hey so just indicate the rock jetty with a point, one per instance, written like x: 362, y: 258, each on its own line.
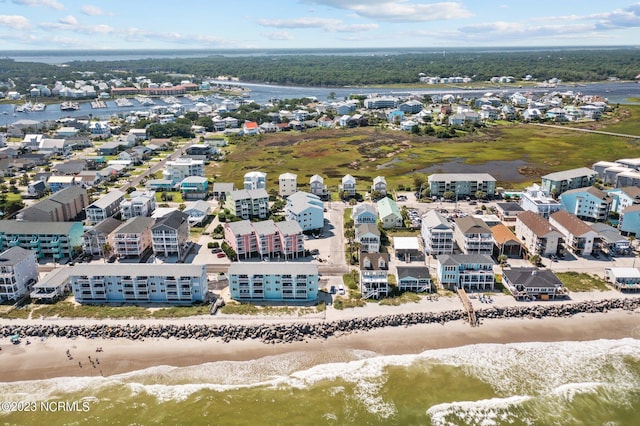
x: 286, y: 333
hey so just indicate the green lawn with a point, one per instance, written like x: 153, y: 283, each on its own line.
x: 372, y: 151
x: 581, y: 282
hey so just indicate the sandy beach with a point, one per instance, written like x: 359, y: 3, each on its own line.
x: 47, y: 358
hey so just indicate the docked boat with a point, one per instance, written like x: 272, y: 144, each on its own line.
x: 39, y: 106
x: 26, y: 107
x: 69, y: 106
x: 123, y: 102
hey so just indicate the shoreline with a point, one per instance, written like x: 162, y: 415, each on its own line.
x: 47, y: 358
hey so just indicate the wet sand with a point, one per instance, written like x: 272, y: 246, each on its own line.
x: 48, y: 358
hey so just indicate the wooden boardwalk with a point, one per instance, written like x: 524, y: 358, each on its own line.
x: 467, y: 306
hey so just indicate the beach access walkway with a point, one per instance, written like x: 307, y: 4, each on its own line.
x: 468, y: 307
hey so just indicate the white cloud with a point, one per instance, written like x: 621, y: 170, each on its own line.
x: 14, y: 21
x: 278, y: 35
x: 68, y: 20
x: 326, y: 24
x: 53, y: 4
x: 92, y: 10
x: 400, y: 10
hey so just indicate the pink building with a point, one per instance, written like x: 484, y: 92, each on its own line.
x: 265, y: 239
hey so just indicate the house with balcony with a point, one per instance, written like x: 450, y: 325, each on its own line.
x: 472, y: 272
x: 472, y: 235
x: 274, y: 281
x: 255, y: 180
x: 588, y: 203
x: 63, y: 206
x: 437, y: 234
x: 364, y: 213
x: 414, y: 278
x: 624, y: 197
x: 507, y: 212
x: 288, y: 184
x: 379, y: 185
x: 139, y: 203
x: 95, y: 238
x: 132, y: 238
x: 461, y: 184
x: 389, y: 213
x: 348, y: 186
x: 610, y: 240
x: 559, y: 182
x: 578, y: 237
x: 52, y: 287
x: 306, y: 209
x: 506, y: 243
x: 221, y: 189
x: 248, y: 204
x: 533, y: 284
x: 106, y: 206
x: 18, y: 273
x: 374, y: 271
x: 291, y: 239
x: 623, y: 279
x: 170, y: 234
x: 172, y: 283
x: 194, y: 188
x: 57, y: 240
x: 537, y: 234
x: 316, y: 183
x: 368, y: 236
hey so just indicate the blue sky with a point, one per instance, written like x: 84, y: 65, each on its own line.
x: 237, y: 24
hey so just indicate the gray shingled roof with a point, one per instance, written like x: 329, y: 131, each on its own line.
x: 106, y: 226
x: 13, y: 255
x: 171, y: 220
x: 135, y: 225
x: 107, y: 200
x: 532, y: 277
x: 413, y: 271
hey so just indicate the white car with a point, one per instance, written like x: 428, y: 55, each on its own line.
x: 341, y: 289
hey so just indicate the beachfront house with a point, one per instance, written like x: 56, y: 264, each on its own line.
x: 414, y: 278
x: 533, y: 284
x: 473, y: 272
x: 374, y: 271
x: 623, y: 279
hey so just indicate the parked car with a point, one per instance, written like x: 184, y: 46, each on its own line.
x: 341, y: 289
x: 332, y: 290
x: 221, y: 254
x: 216, y: 250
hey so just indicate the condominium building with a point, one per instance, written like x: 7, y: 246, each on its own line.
x: 559, y: 182
x: 63, y: 206
x: 248, y: 204
x: 588, y: 203
x: 46, y: 239
x: 537, y: 234
x: 577, y: 235
x: 437, y: 234
x: 278, y: 281
x: 18, y: 273
x: 95, y: 238
x: 106, y: 206
x: 306, y: 209
x: 265, y: 239
x: 132, y: 238
x: 461, y: 184
x: 170, y: 234
x: 183, y: 167
x: 473, y: 235
x: 135, y: 283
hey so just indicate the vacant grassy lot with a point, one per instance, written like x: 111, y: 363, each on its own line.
x: 580, y: 282
x: 525, y: 151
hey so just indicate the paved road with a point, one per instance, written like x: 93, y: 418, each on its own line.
x: 555, y: 126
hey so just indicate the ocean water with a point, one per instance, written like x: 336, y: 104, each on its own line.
x: 565, y: 383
